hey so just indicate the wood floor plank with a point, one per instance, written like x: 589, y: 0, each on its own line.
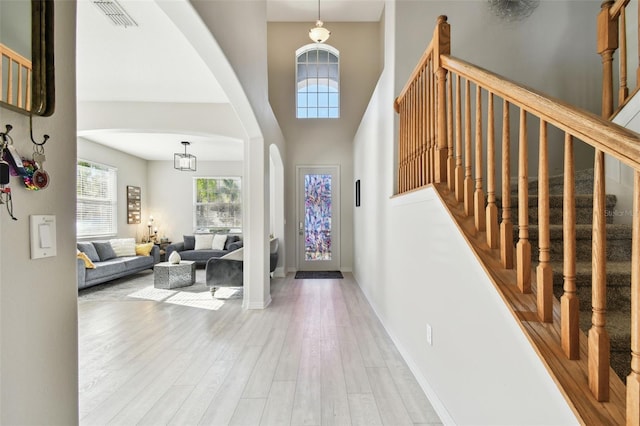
x: 302, y: 361
x: 248, y: 412
x: 418, y: 406
x: 389, y: 402
x: 364, y: 410
x: 260, y: 381
x: 225, y: 401
x: 335, y: 404
x: 307, y: 408
x: 166, y: 407
x: 277, y: 411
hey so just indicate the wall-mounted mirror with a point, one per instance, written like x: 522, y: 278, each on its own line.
x: 26, y: 49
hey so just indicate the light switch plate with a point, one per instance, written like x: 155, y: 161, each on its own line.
x: 43, y: 236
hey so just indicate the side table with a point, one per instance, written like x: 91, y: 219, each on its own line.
x: 173, y: 275
x: 163, y: 250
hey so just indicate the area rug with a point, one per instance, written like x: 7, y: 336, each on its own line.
x: 140, y: 287
x: 323, y: 275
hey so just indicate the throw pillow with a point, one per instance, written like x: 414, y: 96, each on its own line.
x: 203, y: 241
x: 231, y: 239
x: 218, y: 241
x: 88, y: 249
x: 87, y: 262
x: 104, y: 249
x: 123, y: 246
x: 144, y: 249
x: 189, y: 242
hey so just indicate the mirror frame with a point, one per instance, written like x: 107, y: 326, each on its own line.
x: 42, y: 61
x: 43, y: 77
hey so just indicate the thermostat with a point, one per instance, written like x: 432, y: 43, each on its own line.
x: 43, y: 236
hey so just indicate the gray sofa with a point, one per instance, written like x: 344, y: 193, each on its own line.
x: 186, y: 249
x: 112, y: 267
x: 227, y: 271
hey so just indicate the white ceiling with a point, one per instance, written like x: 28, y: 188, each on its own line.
x: 147, y: 63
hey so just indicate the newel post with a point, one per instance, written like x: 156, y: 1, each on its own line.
x: 607, y: 44
x: 442, y: 46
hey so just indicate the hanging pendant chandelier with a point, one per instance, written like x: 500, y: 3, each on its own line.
x: 184, y: 162
x: 319, y: 34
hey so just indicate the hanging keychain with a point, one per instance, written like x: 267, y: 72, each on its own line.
x: 5, y: 191
x: 40, y: 177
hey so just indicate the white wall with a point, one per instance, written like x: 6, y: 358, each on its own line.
x: 38, y: 298
x: 323, y: 141
x: 131, y: 171
x: 170, y: 194
x: 409, y: 258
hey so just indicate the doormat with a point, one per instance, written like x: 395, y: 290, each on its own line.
x: 310, y: 275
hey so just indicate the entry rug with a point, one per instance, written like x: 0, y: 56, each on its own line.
x: 310, y: 275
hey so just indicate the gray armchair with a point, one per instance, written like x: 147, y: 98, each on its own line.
x: 227, y: 271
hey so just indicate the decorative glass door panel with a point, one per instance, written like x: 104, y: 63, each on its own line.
x: 318, y: 247
x: 317, y: 217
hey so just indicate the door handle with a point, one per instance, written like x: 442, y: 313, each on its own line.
x: 300, y: 228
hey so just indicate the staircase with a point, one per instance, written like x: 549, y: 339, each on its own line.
x: 618, y: 260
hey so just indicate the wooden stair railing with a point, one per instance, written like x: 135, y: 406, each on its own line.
x: 432, y: 118
x: 15, y: 77
x: 612, y: 36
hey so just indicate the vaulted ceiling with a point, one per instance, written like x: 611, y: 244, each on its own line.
x: 154, y: 63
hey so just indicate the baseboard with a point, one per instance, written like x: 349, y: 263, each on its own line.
x: 257, y: 305
x: 346, y: 269
x: 438, y: 406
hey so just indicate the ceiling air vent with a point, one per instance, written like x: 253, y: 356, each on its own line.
x: 116, y: 13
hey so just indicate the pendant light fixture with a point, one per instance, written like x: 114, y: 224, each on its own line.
x: 184, y: 162
x: 319, y: 34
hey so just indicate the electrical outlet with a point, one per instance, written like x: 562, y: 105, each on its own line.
x: 429, y: 335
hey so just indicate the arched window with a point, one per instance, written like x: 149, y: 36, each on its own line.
x: 317, y: 81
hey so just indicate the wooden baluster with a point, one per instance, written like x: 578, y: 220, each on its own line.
x: 569, y: 307
x: 402, y: 185
x: 459, y: 169
x: 29, y: 76
x: 450, y: 161
x: 403, y: 147
x: 425, y: 136
x: 623, y: 90
x: 478, y: 196
x: 468, y: 182
x: 412, y: 136
x: 506, y: 227
x: 418, y: 130
x: 397, y: 105
x: 433, y: 125
x: 10, y: 86
x: 441, y: 46
x: 492, y: 209
x: 607, y: 44
x: 544, y: 271
x: 633, y: 379
x: 19, y: 100
x: 599, y: 344
x: 523, y: 248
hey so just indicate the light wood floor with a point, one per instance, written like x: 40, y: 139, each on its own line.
x: 317, y: 356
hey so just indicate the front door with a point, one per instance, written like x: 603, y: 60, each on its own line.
x: 318, y: 218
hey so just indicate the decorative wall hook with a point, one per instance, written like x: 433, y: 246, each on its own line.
x: 45, y: 137
x: 4, y: 136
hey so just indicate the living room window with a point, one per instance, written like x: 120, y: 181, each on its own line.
x: 217, y: 204
x: 317, y: 81
x: 97, y: 202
